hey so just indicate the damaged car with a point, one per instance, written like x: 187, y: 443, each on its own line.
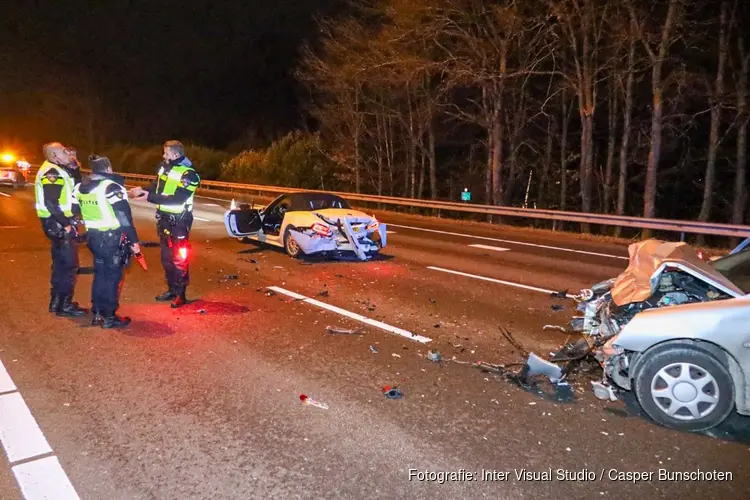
x: 675, y: 330
x: 309, y: 223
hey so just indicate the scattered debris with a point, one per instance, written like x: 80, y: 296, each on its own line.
x: 392, y: 392
x: 373, y: 350
x: 433, y: 301
x: 395, y: 355
x: 247, y: 259
x: 344, y: 331
x: 323, y: 293
x: 270, y: 293
x: 557, y: 307
x: 563, y: 294
x: 555, y: 327
x: 201, y: 311
x: 311, y: 402
x: 437, y: 325
x: 434, y: 356
x: 231, y: 277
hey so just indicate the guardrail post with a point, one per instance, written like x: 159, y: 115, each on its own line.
x: 682, y: 236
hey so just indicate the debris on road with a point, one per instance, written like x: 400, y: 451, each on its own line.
x: 246, y: 259
x: 392, y: 392
x: 395, y: 355
x: 311, y: 402
x: 563, y: 294
x: 557, y: 307
x: 433, y: 301
x: 323, y: 293
x: 373, y: 349
x: 555, y: 327
x: 344, y: 331
x: 270, y: 293
x: 201, y: 311
x: 434, y: 356
x: 231, y: 277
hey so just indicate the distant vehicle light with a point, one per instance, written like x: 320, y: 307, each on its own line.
x: 8, y: 158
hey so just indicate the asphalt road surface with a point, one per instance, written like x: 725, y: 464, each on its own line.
x: 204, y: 401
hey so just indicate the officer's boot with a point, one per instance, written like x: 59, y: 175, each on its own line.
x: 54, y: 302
x: 70, y: 308
x: 111, y: 320
x: 97, y: 318
x: 166, y: 296
x: 179, y: 299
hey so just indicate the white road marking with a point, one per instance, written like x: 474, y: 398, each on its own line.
x: 354, y: 316
x: 499, y: 240
x: 212, y: 205
x: 19, y: 433
x: 493, y: 280
x: 488, y: 247
x: 10, y: 227
x: 44, y: 479
x: 4, y: 194
x: 390, y: 232
x: 22, y: 439
x: 6, y: 383
x: 202, y: 219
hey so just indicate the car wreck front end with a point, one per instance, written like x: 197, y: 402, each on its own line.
x: 341, y: 233
x: 720, y: 329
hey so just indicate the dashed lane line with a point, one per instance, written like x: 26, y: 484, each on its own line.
x: 494, y: 280
x: 489, y: 247
x: 500, y: 240
x: 39, y: 475
x: 357, y: 317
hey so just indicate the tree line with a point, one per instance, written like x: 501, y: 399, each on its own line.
x: 612, y: 106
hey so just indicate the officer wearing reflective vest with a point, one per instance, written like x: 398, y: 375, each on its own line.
x: 56, y: 207
x: 172, y: 192
x: 110, y: 230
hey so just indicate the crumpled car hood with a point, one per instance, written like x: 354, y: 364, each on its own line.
x: 646, y: 257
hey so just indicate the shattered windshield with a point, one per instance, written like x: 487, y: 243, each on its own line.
x: 735, y: 268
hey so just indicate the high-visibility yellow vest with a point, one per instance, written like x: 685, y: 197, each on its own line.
x: 167, y: 184
x: 66, y: 194
x: 96, y: 207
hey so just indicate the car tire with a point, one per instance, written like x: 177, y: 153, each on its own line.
x: 290, y: 246
x: 707, y: 389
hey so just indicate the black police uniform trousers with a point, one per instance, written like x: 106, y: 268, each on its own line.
x: 64, y: 258
x: 172, y: 230
x: 108, y: 270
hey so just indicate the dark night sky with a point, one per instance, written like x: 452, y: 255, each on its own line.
x: 201, y: 71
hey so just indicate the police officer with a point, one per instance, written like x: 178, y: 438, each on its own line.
x: 55, y: 207
x: 172, y: 192
x: 110, y: 230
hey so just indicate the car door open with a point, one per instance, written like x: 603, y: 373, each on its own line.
x: 244, y: 221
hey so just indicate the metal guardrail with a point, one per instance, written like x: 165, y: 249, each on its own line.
x: 679, y: 226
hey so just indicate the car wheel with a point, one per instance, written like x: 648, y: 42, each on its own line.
x: 684, y: 388
x: 290, y: 245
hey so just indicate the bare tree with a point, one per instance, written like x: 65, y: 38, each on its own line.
x: 717, y: 96
x: 627, y: 117
x: 740, y: 182
x: 657, y: 56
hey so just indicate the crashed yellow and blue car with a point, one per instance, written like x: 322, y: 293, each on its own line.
x: 309, y: 223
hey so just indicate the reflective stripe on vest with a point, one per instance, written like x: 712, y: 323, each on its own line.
x: 167, y: 184
x: 66, y: 194
x: 96, y: 210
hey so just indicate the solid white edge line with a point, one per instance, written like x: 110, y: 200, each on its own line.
x: 212, y: 204
x: 488, y: 247
x: 499, y: 240
x: 494, y: 280
x: 201, y: 219
x: 343, y: 312
x: 6, y: 383
x: 5, y: 194
x: 20, y: 435
x: 44, y: 479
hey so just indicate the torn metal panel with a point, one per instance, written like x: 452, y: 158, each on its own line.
x: 538, y: 366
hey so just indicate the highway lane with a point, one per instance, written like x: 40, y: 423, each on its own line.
x: 192, y: 404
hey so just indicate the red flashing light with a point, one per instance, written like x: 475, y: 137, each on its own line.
x: 183, y: 253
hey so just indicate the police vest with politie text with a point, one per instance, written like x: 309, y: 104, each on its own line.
x: 96, y: 206
x: 168, y: 180
x: 49, y: 173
